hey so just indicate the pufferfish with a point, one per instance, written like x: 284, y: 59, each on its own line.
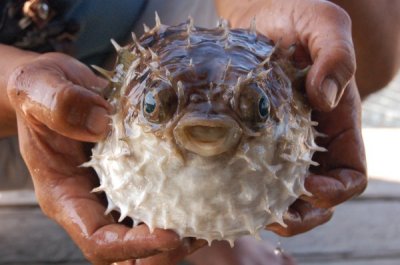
x: 211, y: 137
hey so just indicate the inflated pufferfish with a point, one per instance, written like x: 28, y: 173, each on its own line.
x: 209, y: 138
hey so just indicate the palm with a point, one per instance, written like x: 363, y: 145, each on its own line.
x: 342, y: 171
x: 52, y: 106
x: 54, y: 164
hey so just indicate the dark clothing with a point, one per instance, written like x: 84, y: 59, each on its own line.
x: 81, y: 28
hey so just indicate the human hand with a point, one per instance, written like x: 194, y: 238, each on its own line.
x: 57, y: 108
x: 341, y: 174
x: 322, y: 34
x: 319, y: 28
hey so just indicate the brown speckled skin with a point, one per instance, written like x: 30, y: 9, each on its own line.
x: 209, y: 63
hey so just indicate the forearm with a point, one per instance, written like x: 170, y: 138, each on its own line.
x: 9, y: 60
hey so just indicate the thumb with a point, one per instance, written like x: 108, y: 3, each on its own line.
x: 332, y: 52
x: 44, y: 96
x: 324, y: 30
x: 329, y: 76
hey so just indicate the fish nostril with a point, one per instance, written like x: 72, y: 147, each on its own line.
x: 206, y: 134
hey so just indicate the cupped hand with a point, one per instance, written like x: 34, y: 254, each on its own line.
x: 322, y: 34
x: 341, y: 174
x: 58, y: 107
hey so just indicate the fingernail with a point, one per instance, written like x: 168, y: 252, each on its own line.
x: 102, y: 83
x: 170, y: 247
x: 166, y: 249
x: 329, y: 90
x: 97, y: 120
x: 198, y: 243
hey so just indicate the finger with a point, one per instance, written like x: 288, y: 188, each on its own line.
x: 329, y: 75
x: 300, y: 218
x: 341, y: 185
x: 329, y: 40
x: 342, y: 174
x: 45, y: 96
x: 127, y: 262
x: 174, y: 256
x: 81, y: 214
x: 324, y: 29
x: 79, y: 73
x: 74, y: 70
x: 66, y: 197
x: 129, y: 243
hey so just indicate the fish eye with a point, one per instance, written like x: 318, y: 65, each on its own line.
x: 159, y: 103
x: 150, y: 103
x: 263, y: 106
x: 253, y: 105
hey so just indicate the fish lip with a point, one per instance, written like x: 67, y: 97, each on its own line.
x: 231, y: 136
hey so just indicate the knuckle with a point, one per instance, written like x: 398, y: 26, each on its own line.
x: 46, y: 207
x: 288, y: 232
x: 328, y: 216
x: 93, y: 250
x: 90, y: 255
x: 62, y: 97
x: 347, y: 59
x: 46, y: 210
x: 362, y: 186
x: 282, y: 231
x: 341, y: 62
x: 337, y: 14
x: 343, y: 16
x: 65, y: 104
x: 18, y: 81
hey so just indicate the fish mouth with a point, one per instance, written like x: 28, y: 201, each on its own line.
x: 207, y: 135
